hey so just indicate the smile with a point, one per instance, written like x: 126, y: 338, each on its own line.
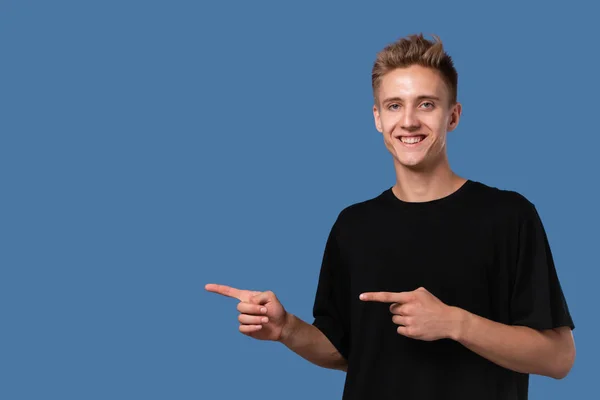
x: 411, y: 140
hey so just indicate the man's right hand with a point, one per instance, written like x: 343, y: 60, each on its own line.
x: 261, y: 314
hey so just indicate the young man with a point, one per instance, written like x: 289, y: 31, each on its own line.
x: 438, y: 288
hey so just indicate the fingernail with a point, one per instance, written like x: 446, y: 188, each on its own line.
x: 362, y: 297
x: 263, y: 310
x: 265, y: 320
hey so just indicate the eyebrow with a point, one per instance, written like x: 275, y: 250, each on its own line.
x: 422, y: 97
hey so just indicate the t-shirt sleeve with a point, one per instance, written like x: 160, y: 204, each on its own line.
x: 331, y: 305
x: 537, y: 299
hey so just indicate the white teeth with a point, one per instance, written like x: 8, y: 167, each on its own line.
x: 411, y: 139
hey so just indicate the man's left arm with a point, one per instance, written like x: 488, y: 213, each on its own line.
x: 549, y: 352
x: 421, y: 315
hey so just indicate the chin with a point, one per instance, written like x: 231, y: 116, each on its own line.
x: 411, y: 164
x: 409, y: 160
x: 413, y: 160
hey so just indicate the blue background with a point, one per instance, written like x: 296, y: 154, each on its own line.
x: 148, y: 148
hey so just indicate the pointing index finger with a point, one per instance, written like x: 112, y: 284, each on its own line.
x: 227, y: 291
x: 386, y: 297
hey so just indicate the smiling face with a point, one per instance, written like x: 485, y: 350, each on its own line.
x: 414, y: 111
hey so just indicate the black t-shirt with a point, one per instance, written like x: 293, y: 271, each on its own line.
x: 481, y: 248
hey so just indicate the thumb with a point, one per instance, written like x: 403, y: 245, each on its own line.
x: 261, y: 298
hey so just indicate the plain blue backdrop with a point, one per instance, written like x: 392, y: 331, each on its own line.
x: 148, y: 148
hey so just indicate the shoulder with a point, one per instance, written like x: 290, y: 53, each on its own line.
x: 356, y: 213
x: 503, y: 202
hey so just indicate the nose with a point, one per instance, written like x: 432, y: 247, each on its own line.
x: 409, y: 120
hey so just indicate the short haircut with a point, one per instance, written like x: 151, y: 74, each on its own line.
x: 416, y: 50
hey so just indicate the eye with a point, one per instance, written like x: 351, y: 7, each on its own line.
x: 427, y: 105
x: 394, y: 107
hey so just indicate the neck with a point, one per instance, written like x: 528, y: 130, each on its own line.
x: 427, y: 184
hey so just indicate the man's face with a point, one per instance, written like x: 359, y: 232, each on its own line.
x: 413, y: 112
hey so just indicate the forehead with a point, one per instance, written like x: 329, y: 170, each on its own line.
x: 411, y: 82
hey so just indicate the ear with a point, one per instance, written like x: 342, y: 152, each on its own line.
x: 377, y: 118
x: 454, y: 117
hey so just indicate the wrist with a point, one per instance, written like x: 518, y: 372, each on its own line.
x: 288, y: 328
x: 460, y: 323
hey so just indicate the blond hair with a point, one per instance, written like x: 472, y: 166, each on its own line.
x: 416, y: 50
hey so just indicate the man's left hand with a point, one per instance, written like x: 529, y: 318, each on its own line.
x: 421, y: 315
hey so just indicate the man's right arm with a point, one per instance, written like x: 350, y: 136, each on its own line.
x: 310, y: 343
x: 263, y: 317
